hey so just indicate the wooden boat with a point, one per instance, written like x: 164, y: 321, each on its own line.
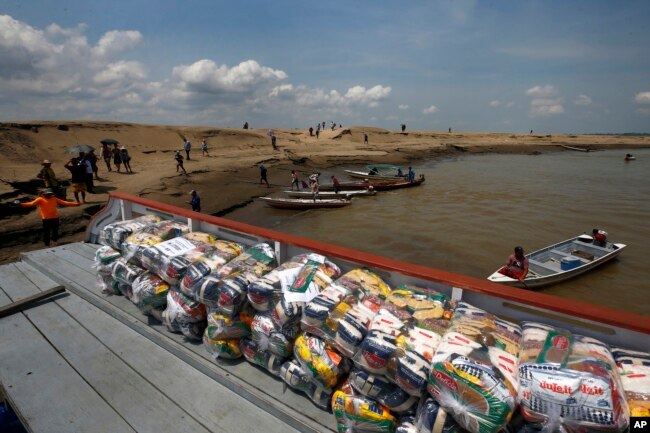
x: 630, y: 157
x: 332, y: 194
x: 385, y: 185
x: 578, y: 149
x: 305, y: 203
x: 561, y: 261
x: 378, y: 172
x: 60, y: 337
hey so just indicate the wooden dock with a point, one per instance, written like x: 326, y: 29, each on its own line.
x: 82, y: 359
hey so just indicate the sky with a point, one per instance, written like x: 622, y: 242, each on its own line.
x: 504, y: 66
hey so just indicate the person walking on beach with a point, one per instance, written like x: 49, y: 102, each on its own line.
x: 273, y: 141
x: 106, y: 156
x: 317, y: 132
x: 78, y: 181
x: 187, y: 146
x: 204, y: 148
x: 117, y: 158
x: 85, y: 160
x: 93, y: 163
x: 263, y: 178
x: 403, y: 127
x: 126, y: 159
x: 47, y: 206
x: 311, y: 131
x: 294, y: 180
x: 195, y: 201
x: 179, y: 162
x: 365, y: 138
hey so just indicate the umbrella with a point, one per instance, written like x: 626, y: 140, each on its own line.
x: 79, y: 148
x: 109, y: 141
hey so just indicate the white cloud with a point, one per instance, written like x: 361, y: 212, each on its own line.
x: 495, y: 103
x: 122, y: 72
x: 116, y: 41
x: 642, y: 98
x: 402, y: 107
x: 582, y: 100
x: 430, y: 110
x: 318, y: 98
x: 545, y: 102
x: 546, y: 91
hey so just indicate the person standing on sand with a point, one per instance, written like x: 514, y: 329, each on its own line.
x: 365, y: 138
x: 204, y: 148
x: 126, y: 159
x: 47, y: 175
x: 187, y: 146
x: 179, y: 162
x: 317, y: 133
x: 295, y: 180
x: 106, y: 156
x: 311, y: 131
x: 47, y: 206
x: 273, y: 141
x: 117, y: 158
x: 84, y: 160
x: 78, y: 180
x: 263, y: 178
x: 403, y: 127
x: 195, y: 201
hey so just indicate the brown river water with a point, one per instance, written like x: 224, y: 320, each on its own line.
x: 473, y: 209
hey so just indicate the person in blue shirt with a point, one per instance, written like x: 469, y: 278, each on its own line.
x: 411, y: 175
x: 195, y: 201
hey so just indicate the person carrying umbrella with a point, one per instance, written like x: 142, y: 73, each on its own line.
x: 117, y: 157
x: 47, y: 206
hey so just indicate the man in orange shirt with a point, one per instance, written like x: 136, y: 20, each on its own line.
x: 49, y: 213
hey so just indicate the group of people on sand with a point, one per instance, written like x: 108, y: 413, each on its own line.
x: 118, y: 156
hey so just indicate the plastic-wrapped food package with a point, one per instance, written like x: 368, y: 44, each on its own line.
x: 323, y: 314
x: 167, y: 229
x: 380, y: 389
x: 222, y: 253
x: 266, y: 292
x: 136, y: 246
x: 634, y: 369
x: 265, y: 359
x: 314, y: 276
x: 227, y: 349
x: 170, y: 259
x: 473, y: 373
x: 225, y: 288
x: 273, y: 338
x: 185, y: 315
x: 297, y: 378
x: 120, y: 288
x: 149, y: 292
x: 115, y: 233
x: 324, y: 365
x: 429, y: 417
x: 125, y: 272
x: 105, y: 258
x: 356, y: 413
x: 569, y: 382
x: 380, y: 343
x: 222, y: 327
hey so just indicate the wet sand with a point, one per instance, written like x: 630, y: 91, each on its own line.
x: 228, y: 178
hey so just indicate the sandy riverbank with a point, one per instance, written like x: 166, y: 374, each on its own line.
x: 229, y: 176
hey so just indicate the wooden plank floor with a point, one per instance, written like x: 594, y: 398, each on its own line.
x: 240, y: 396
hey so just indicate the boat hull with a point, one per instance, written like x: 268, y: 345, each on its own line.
x: 331, y: 194
x: 545, y: 265
x: 366, y: 175
x: 304, y: 203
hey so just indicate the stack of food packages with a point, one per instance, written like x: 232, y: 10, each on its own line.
x: 473, y: 374
x: 569, y: 382
x: 634, y: 369
x: 224, y: 293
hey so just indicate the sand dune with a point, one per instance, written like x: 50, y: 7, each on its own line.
x: 229, y: 176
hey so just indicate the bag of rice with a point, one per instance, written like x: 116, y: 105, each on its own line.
x: 356, y: 413
x: 185, y: 315
x: 380, y: 389
x: 115, y: 233
x: 267, y: 360
x: 294, y: 375
x: 149, y: 292
x: 222, y: 253
x: 273, y: 338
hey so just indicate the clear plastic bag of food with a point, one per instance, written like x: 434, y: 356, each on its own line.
x: 125, y: 272
x: 569, y: 382
x: 222, y: 253
x: 634, y: 369
x: 185, y: 315
x: 473, y: 374
x: 356, y: 413
x: 324, y: 364
x: 263, y: 358
x: 297, y: 378
x: 226, y: 349
x: 386, y: 393
x: 149, y: 292
x: 223, y: 327
x: 115, y: 233
x: 273, y: 338
x: 266, y: 292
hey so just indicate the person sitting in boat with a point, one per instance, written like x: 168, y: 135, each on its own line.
x: 629, y: 157
x: 373, y: 171
x: 600, y: 237
x: 400, y: 173
x: 517, y: 265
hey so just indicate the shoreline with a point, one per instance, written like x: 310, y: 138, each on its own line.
x: 229, y: 178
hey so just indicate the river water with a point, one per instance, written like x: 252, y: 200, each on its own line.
x: 473, y: 209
